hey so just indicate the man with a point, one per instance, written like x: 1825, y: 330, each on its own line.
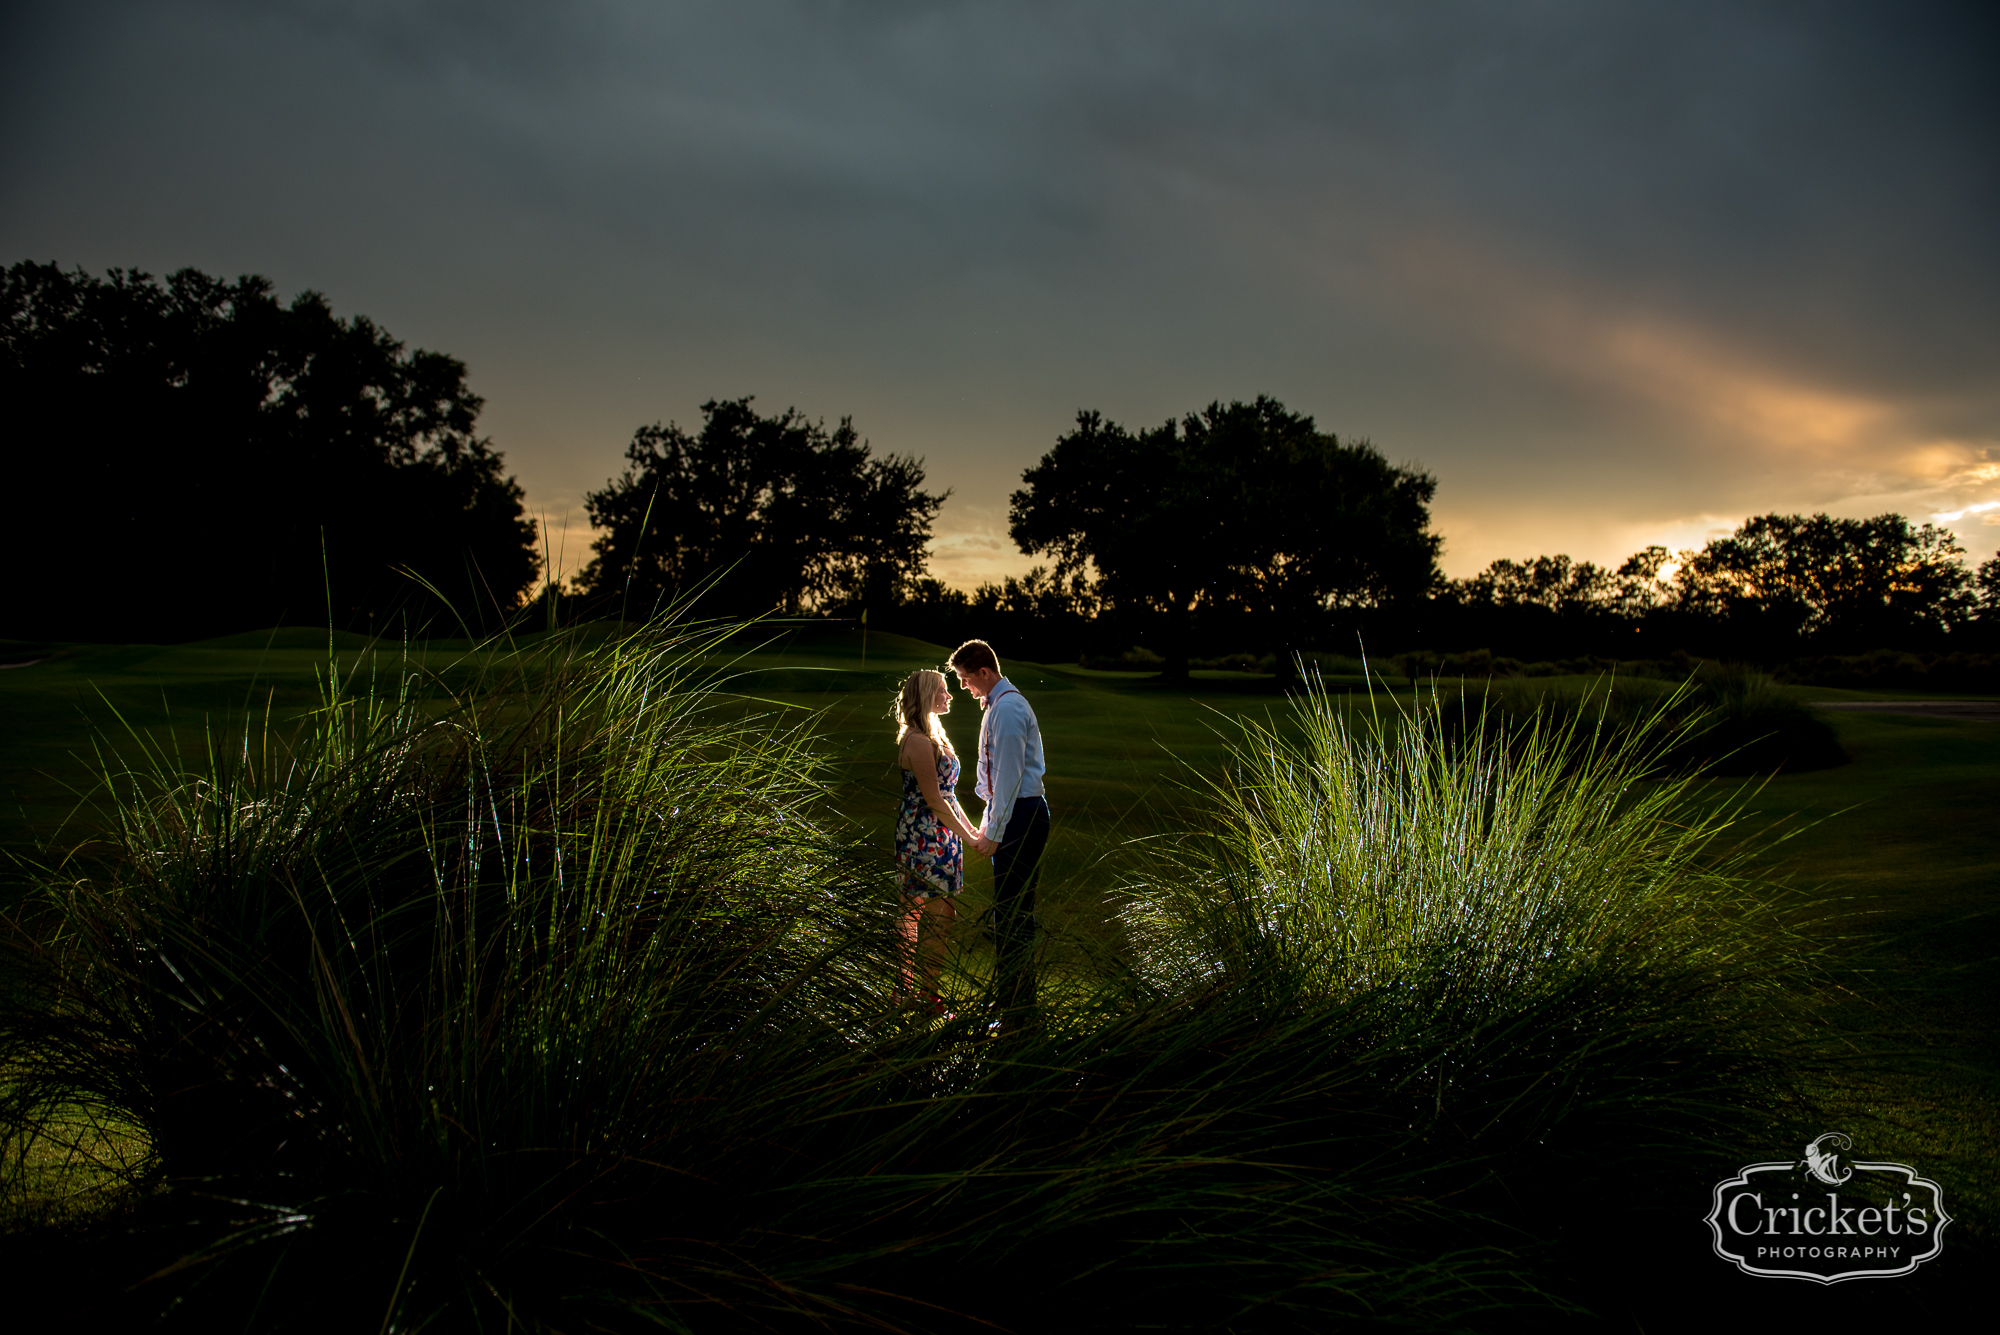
x: 1014, y: 829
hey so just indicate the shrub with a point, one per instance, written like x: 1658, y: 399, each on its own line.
x: 1723, y: 720
x: 1326, y: 665
x: 1887, y: 669
x: 1136, y: 659
x: 1758, y: 727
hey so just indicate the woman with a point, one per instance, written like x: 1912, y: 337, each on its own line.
x: 931, y: 831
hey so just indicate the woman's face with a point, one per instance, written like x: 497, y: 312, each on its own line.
x: 940, y: 696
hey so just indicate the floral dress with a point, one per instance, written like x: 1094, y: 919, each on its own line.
x: 930, y: 860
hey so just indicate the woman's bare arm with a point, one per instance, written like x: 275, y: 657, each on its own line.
x: 961, y: 812
x: 920, y: 760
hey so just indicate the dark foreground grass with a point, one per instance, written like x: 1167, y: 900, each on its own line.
x: 560, y: 998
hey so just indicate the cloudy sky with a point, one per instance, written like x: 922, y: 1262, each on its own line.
x: 1617, y: 273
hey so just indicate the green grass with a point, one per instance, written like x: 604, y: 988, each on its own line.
x: 80, y: 1166
x: 1897, y: 841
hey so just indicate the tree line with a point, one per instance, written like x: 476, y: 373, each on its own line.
x: 1778, y: 587
x: 199, y: 458
x: 1240, y: 529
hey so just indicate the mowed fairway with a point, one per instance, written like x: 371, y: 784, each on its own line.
x: 1895, y: 857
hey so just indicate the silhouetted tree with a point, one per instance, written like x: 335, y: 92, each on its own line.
x: 1247, y: 508
x: 761, y: 513
x: 190, y: 457
x: 1781, y: 582
x: 1551, y: 583
x: 1988, y: 582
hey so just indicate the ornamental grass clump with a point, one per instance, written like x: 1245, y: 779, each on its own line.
x: 1535, y: 926
x: 441, y: 985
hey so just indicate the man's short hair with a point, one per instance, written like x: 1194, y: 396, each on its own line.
x: 974, y: 655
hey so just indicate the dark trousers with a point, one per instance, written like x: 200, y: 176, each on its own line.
x: 1017, y: 870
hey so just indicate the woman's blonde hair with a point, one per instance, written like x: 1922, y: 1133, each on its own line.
x: 912, y: 709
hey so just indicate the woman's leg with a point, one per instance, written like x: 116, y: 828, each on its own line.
x: 940, y: 913
x: 910, y: 926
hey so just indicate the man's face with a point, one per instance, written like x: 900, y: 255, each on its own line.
x: 979, y: 681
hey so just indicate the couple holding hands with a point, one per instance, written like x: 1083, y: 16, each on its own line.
x: 932, y: 830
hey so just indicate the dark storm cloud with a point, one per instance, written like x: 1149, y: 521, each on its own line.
x: 1611, y: 271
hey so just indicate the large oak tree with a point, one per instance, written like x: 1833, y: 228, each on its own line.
x: 190, y: 457
x: 1247, y: 506
x: 757, y: 513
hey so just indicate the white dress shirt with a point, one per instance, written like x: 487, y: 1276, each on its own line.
x: 1010, y: 756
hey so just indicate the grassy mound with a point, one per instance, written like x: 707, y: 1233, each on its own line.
x: 1725, y: 720
x: 553, y: 1003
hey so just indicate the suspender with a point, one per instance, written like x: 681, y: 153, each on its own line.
x: 985, y: 737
